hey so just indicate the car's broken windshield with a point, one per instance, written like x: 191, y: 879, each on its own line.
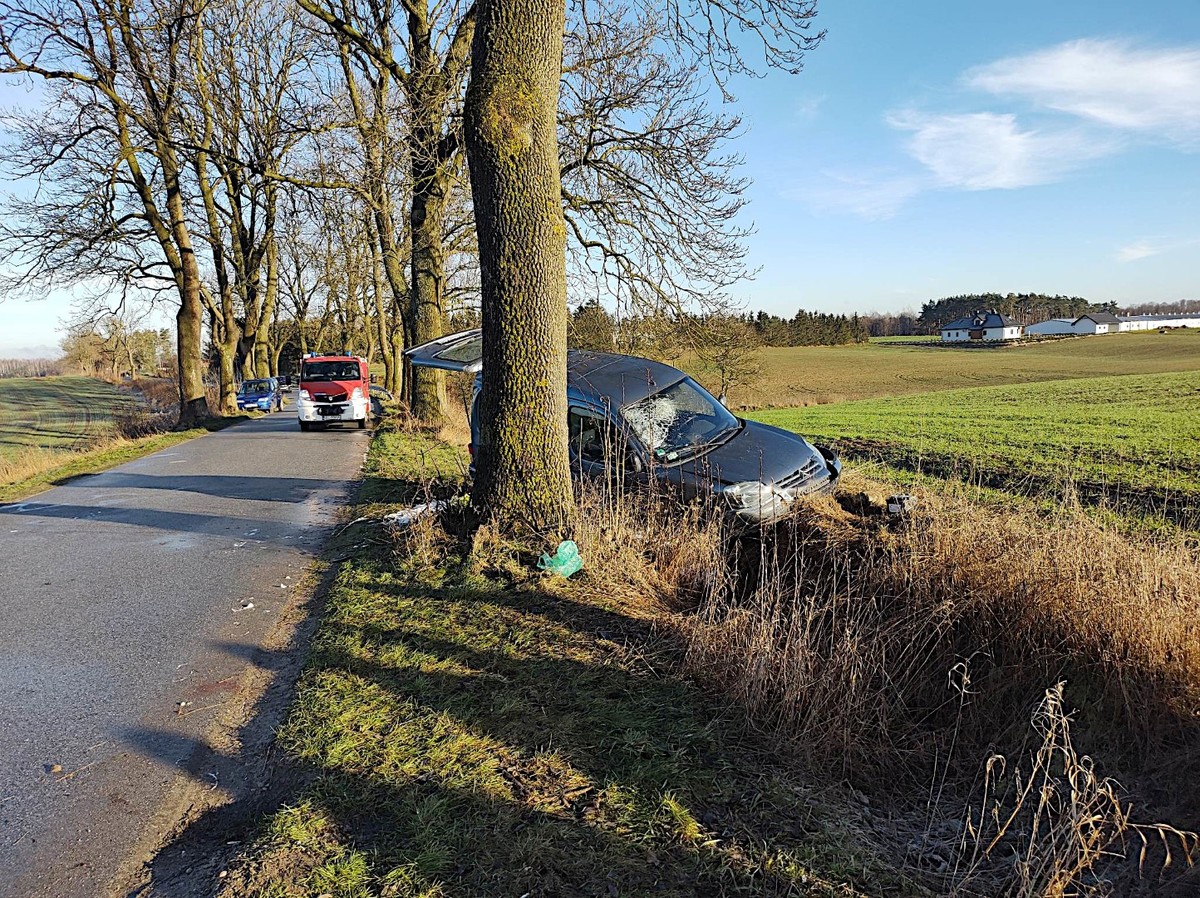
x: 679, y: 420
x: 329, y: 371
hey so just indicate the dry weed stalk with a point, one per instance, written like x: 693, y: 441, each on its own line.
x: 1046, y: 833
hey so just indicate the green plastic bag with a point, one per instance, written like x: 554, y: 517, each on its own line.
x: 564, y: 561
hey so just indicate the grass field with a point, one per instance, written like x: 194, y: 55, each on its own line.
x: 57, y: 413
x: 813, y: 375
x: 1134, y: 440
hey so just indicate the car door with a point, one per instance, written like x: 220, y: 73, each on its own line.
x: 457, y: 352
x: 599, y: 448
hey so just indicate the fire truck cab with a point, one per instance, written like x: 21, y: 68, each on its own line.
x: 333, y: 388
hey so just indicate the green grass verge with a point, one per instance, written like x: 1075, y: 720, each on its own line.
x: 816, y: 375
x: 1132, y: 441
x: 466, y: 727
x: 92, y: 461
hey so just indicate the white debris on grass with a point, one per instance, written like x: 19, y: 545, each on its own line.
x: 406, y: 516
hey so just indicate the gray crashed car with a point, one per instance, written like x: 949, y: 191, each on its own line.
x: 645, y: 420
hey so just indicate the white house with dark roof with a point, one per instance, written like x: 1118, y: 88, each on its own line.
x: 1097, y: 323
x: 982, y: 327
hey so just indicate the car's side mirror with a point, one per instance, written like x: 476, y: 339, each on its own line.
x: 633, y: 462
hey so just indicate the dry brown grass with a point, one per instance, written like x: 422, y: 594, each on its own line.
x: 902, y: 654
x: 28, y: 463
x: 646, y: 549
x: 1046, y: 831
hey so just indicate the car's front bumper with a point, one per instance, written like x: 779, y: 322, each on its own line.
x: 319, y: 412
x: 257, y: 405
x: 762, y: 504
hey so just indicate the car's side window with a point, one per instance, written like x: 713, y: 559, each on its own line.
x: 593, y: 438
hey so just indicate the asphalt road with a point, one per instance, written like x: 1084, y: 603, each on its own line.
x: 123, y: 594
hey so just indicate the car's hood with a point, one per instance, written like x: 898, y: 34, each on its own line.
x: 761, y: 452
x: 250, y: 397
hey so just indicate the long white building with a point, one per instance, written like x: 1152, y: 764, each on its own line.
x: 1152, y: 322
x: 1107, y: 323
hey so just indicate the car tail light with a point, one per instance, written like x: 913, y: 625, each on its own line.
x: 471, y: 449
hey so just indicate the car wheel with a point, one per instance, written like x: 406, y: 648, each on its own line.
x: 304, y: 425
x: 362, y: 423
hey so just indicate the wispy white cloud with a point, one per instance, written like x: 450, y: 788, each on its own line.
x: 990, y: 151
x: 873, y: 195
x: 1152, y: 246
x: 1071, y: 104
x: 808, y: 107
x: 1155, y: 92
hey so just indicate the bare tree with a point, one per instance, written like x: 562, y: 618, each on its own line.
x: 650, y: 191
x: 120, y: 66
x: 424, y: 50
x: 727, y: 348
x: 245, y: 112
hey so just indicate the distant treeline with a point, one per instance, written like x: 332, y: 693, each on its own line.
x: 1179, y: 307
x: 30, y: 367
x: 591, y: 326
x: 808, y: 329
x: 1027, y: 308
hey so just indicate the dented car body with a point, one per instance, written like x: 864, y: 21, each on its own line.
x: 644, y: 420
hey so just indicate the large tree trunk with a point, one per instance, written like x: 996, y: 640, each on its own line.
x: 386, y: 344
x: 427, y: 218
x: 262, y: 335
x: 189, y: 320
x: 226, y: 345
x: 524, y: 477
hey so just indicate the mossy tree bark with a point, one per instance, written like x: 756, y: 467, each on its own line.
x: 189, y: 320
x: 523, y: 475
x: 427, y: 310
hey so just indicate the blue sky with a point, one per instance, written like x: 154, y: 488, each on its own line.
x: 931, y: 149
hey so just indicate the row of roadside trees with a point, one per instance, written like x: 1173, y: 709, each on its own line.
x: 381, y: 162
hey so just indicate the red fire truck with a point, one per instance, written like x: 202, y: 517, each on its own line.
x: 333, y: 388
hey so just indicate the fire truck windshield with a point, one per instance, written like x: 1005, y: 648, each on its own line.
x: 329, y: 371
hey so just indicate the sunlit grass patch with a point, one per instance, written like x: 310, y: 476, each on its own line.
x: 471, y: 728
x: 1130, y: 442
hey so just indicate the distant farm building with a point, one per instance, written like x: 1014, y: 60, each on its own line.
x: 1097, y: 323
x: 1108, y: 323
x: 1153, y: 322
x: 1089, y: 323
x: 1051, y: 327
x: 982, y: 326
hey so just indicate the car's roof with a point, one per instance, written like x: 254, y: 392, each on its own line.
x: 621, y: 378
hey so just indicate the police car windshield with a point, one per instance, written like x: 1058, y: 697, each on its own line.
x: 329, y: 371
